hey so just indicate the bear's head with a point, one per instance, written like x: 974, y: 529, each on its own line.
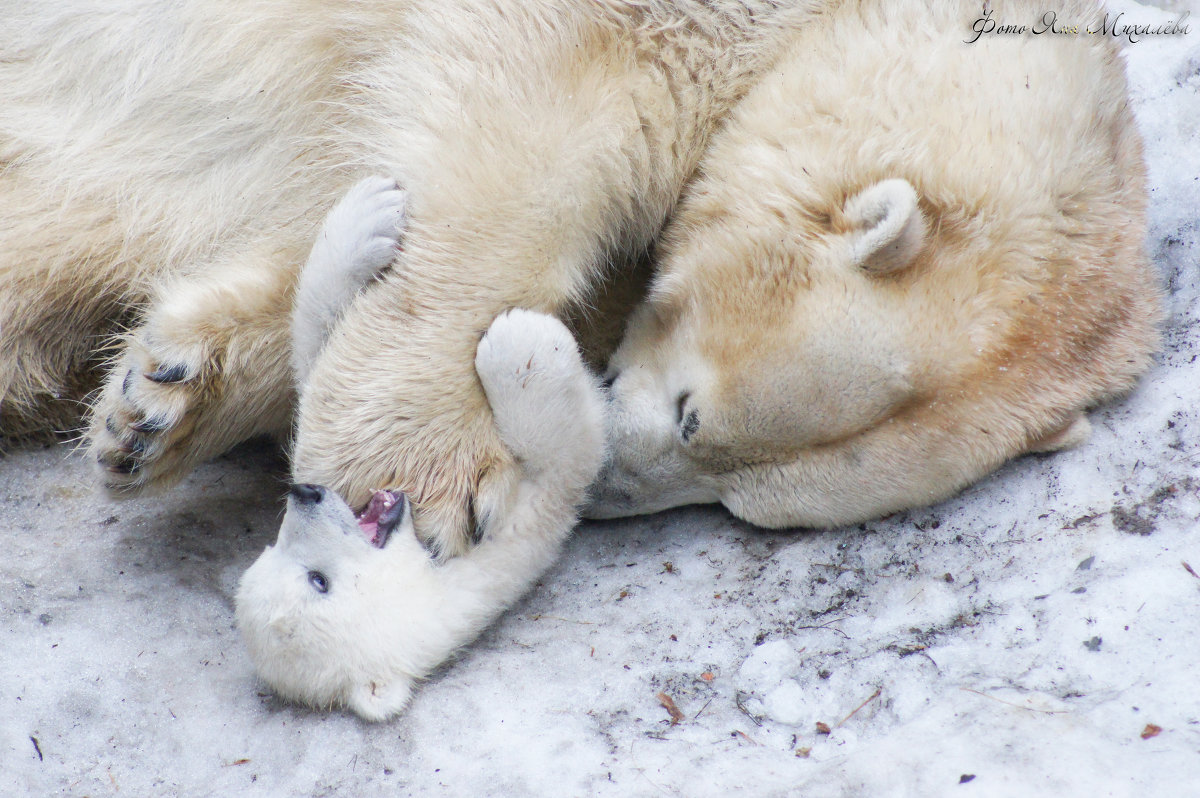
x: 757, y: 345
x: 821, y: 349
x: 319, y: 610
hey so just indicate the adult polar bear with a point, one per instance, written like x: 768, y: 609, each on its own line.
x: 852, y: 314
x: 169, y: 164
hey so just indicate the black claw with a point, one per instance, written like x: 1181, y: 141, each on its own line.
x: 127, y: 382
x: 114, y: 429
x: 117, y: 465
x: 149, y: 425
x: 163, y: 374
x: 136, y: 447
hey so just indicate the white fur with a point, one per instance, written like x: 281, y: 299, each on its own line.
x: 165, y: 167
x: 390, y: 615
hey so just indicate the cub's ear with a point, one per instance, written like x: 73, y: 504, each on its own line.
x: 887, y: 229
x: 378, y: 701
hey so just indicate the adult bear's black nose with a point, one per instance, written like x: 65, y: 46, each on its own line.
x: 307, y: 494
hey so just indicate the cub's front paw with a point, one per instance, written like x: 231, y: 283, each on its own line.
x: 548, y: 408
x: 361, y: 235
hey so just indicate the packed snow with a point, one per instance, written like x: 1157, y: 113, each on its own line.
x: 1037, y: 635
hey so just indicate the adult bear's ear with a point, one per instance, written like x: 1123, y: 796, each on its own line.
x: 887, y: 229
x: 378, y: 701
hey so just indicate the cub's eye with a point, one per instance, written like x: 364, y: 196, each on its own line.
x: 318, y: 581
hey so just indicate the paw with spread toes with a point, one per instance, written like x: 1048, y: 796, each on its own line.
x: 206, y: 369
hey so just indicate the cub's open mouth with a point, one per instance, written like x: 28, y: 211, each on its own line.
x: 382, y: 515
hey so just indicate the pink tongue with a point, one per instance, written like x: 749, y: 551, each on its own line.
x: 368, y: 521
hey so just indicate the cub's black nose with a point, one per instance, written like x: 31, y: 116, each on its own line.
x: 307, y: 494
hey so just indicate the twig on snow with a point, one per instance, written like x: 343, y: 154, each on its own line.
x: 874, y: 695
x: 1018, y: 706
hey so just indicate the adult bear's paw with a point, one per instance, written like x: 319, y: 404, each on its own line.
x: 196, y: 378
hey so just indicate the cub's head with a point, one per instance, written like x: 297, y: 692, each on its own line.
x: 318, y: 610
x: 767, y: 334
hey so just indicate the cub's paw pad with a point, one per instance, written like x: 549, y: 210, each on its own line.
x: 546, y: 406
x: 524, y: 350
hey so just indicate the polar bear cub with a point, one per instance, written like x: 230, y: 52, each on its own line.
x: 350, y: 609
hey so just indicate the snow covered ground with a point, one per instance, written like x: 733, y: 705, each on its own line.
x: 1037, y: 635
